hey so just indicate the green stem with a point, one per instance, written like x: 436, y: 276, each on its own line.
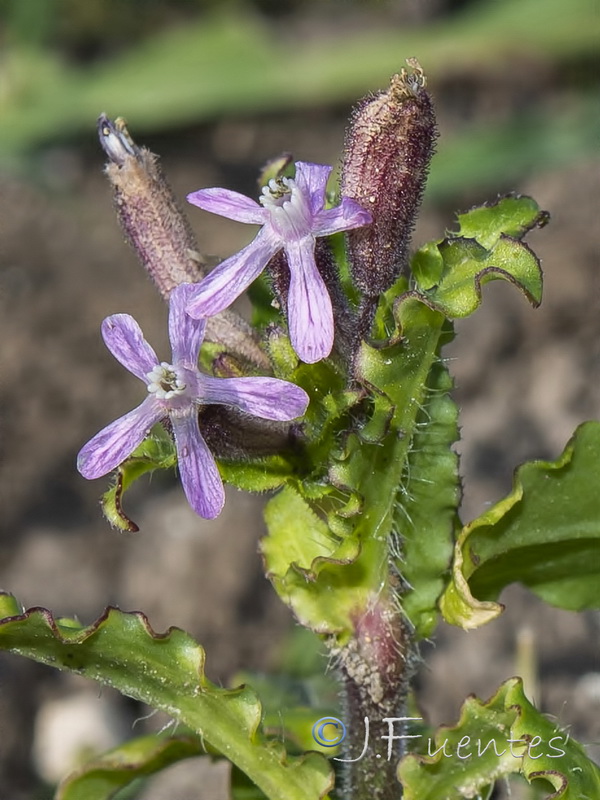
x: 376, y: 664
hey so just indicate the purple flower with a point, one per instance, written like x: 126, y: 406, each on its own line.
x: 176, y: 391
x: 292, y: 215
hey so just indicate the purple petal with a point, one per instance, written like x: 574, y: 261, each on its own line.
x: 349, y: 214
x: 185, y: 332
x: 227, y: 281
x: 117, y: 441
x: 125, y: 340
x: 200, y: 477
x: 311, y: 180
x: 269, y: 398
x: 310, y: 315
x: 229, y: 204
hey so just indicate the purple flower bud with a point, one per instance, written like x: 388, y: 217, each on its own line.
x: 159, y: 232
x: 147, y: 209
x: 388, y: 148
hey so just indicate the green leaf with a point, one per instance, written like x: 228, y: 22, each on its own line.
x: 468, y: 266
x: 166, y: 671
x: 427, y: 265
x: 544, y: 534
x: 257, y: 474
x: 426, y: 508
x: 503, y: 736
x: 425, y: 469
x: 328, y: 549
x: 487, y: 247
x: 155, y: 452
x: 100, y: 778
x: 306, y: 561
x: 512, y: 216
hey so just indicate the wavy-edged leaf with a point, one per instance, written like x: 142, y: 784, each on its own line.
x: 512, y: 215
x: 166, y: 671
x: 426, y: 507
x: 487, y: 247
x: 100, y: 778
x: 309, y: 566
x: 155, y: 452
x: 503, y: 736
x: 328, y: 549
x: 544, y: 534
x: 468, y: 266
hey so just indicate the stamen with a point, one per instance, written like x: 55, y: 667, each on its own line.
x: 276, y: 191
x: 165, y: 381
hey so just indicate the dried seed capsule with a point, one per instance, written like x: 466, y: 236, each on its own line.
x: 388, y: 147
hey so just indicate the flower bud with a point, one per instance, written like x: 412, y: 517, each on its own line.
x: 147, y: 210
x: 160, y: 234
x: 388, y: 148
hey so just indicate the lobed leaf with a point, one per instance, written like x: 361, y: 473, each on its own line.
x: 487, y: 247
x: 503, y: 736
x: 544, y: 534
x: 511, y: 216
x: 468, y: 266
x: 166, y: 671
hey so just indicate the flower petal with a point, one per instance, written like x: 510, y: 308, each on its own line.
x: 200, y: 477
x: 311, y: 180
x: 113, y: 444
x: 227, y: 281
x: 349, y: 214
x: 310, y: 314
x: 185, y: 332
x: 232, y: 205
x: 269, y: 398
x: 125, y: 340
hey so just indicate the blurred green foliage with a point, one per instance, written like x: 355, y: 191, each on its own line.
x: 168, y: 64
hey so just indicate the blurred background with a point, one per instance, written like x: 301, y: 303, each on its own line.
x: 217, y: 87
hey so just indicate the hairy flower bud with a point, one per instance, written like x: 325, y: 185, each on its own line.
x: 148, y: 211
x: 388, y: 147
x: 160, y: 234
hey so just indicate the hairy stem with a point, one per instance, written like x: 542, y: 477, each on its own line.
x: 374, y: 668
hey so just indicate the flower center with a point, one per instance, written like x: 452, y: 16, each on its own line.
x: 288, y: 208
x: 166, y: 381
x: 277, y: 192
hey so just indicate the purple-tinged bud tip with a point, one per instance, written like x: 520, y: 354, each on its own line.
x: 115, y: 140
x: 388, y: 148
